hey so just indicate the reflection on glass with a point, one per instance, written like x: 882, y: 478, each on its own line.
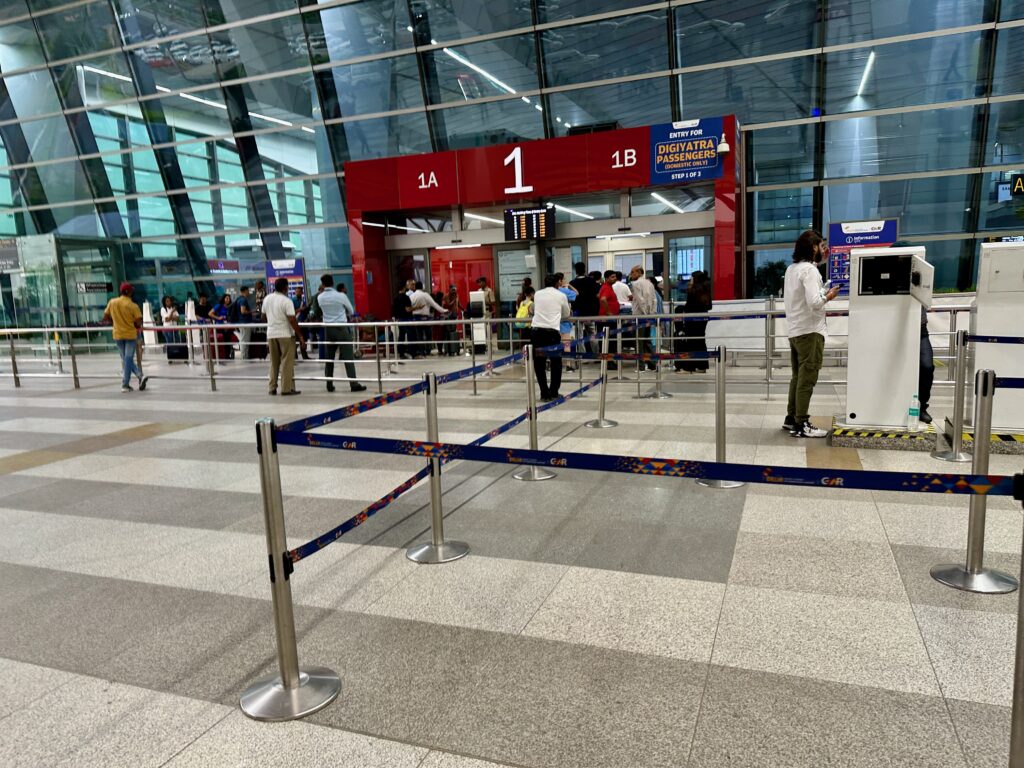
x: 496, y: 122
x: 258, y: 49
x: 779, y: 215
x: 78, y: 30
x: 13, y: 8
x: 722, y: 30
x: 999, y: 208
x: 1008, y: 74
x: 19, y: 45
x: 283, y: 100
x: 577, y: 208
x: 358, y: 29
x: 493, y: 68
x: 626, y: 45
x: 915, y: 72
x: 769, y: 270
x: 95, y: 81
x: 560, y: 10
x: 643, y: 102
x: 755, y: 93
x: 693, y: 198
x: 386, y: 136
x: 921, y: 205
x: 443, y: 20
x: 1011, y: 9
x: 779, y: 155
x: 184, y: 63
x: 1005, y: 133
x: 382, y: 85
x: 873, y: 19
x: 143, y: 20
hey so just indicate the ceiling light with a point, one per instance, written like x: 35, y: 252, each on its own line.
x: 867, y: 71
x: 308, y: 130
x: 669, y: 203
x: 526, y: 99
x: 104, y: 72
x: 258, y: 116
x: 162, y: 89
x: 574, y: 213
x: 620, y: 237
x: 198, y: 100
x: 463, y: 60
x: 453, y: 247
x: 538, y: 107
x: 478, y: 217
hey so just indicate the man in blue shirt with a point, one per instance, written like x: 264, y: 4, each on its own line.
x: 336, y: 308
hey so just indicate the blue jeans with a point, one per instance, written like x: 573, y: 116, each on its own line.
x: 127, y: 349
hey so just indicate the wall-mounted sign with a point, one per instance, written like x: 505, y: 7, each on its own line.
x: 1017, y: 185
x: 293, y: 269
x: 671, y: 153
x: 529, y: 223
x: 97, y: 287
x: 223, y: 266
x: 845, y: 236
x: 9, y: 260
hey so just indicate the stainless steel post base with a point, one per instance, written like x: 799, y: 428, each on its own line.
x: 601, y: 424
x: 720, y: 483
x: 437, y: 553
x: 655, y: 395
x: 531, y: 473
x: 267, y: 699
x: 951, y: 455
x: 987, y: 581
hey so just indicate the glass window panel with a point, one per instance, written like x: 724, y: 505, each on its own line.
x: 115, y: 175
x: 48, y: 139
x: 492, y: 68
x: 358, y: 29
x: 692, y: 198
x: 383, y: 137
x: 560, y: 10
x: 723, y: 30
x: 922, y: 206
x: 1005, y: 133
x: 32, y: 94
x: 1011, y: 9
x: 293, y: 153
x: 148, y: 181
x: 383, y: 85
x: 99, y: 80
x: 1008, y: 73
x: 78, y: 31
x: 769, y: 270
x: 145, y: 159
x: 194, y: 167
x: 779, y: 215
x: 235, y: 217
x: 454, y: 19
x: 158, y: 18
x: 627, y: 45
x: 954, y: 263
x: 497, y: 122
x: 234, y: 196
x: 12, y: 8
x: 999, y: 209
x: 184, y: 63
x: 225, y: 11
x: 259, y: 49
x: 923, y: 71
x: 642, y: 102
x: 19, y: 45
x: 855, y: 20
x: 780, y: 155
x: 906, y: 143
x: 755, y: 93
x: 289, y: 98
x: 104, y: 125
x: 199, y: 114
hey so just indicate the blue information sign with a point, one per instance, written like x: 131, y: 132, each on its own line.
x: 843, y: 237
x: 293, y: 269
x: 686, y: 151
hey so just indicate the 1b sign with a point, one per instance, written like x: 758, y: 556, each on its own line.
x: 686, y: 152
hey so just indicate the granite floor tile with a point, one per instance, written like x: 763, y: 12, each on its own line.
x: 475, y: 592
x: 448, y: 760
x: 842, y: 639
x: 946, y: 527
x: 794, y: 515
x: 642, y: 614
x: 915, y: 563
x: 91, y: 722
x: 544, y: 703
x: 21, y: 684
x: 859, y: 569
x: 755, y: 719
x: 984, y: 731
x: 238, y: 742
x: 972, y: 652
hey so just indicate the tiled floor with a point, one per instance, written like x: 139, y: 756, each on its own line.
x: 600, y: 621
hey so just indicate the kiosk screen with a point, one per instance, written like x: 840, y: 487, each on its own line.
x: 885, y: 275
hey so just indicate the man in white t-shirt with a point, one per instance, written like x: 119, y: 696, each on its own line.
x: 279, y: 314
x: 623, y: 294
x: 550, y: 308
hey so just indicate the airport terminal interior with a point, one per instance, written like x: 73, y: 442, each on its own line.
x: 771, y: 516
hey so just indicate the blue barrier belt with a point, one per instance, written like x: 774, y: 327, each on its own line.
x: 448, y: 378
x: 920, y: 482
x: 995, y: 339
x: 1009, y: 383
x: 711, y: 355
x: 352, y: 410
x: 566, y: 398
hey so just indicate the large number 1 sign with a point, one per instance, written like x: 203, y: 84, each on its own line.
x: 515, y: 157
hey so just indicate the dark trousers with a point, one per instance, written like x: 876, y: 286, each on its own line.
x: 926, y: 372
x: 544, y: 337
x: 805, y: 356
x: 405, y: 335
x: 333, y: 348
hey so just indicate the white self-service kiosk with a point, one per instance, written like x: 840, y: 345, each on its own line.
x: 999, y: 311
x: 478, y: 308
x: 888, y: 287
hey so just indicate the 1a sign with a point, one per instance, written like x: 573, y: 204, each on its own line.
x: 1017, y: 185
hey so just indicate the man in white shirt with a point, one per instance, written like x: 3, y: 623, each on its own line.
x: 623, y: 294
x: 645, y: 302
x: 423, y: 305
x: 279, y: 313
x: 550, y: 308
x: 336, y: 308
x: 805, y: 298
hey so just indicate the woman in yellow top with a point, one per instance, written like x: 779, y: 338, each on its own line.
x: 127, y: 321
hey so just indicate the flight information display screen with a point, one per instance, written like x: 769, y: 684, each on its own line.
x: 529, y: 223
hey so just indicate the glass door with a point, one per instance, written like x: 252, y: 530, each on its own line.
x: 687, y: 253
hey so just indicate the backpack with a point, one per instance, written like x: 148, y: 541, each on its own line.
x: 523, y: 314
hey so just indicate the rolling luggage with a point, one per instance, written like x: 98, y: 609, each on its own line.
x: 175, y: 346
x: 257, y: 348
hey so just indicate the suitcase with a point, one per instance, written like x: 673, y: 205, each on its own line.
x: 224, y: 349
x: 257, y: 349
x: 175, y: 346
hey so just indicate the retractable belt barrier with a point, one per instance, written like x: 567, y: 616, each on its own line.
x: 1009, y: 383
x: 995, y: 339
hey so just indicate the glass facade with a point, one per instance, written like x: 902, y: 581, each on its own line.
x: 170, y: 135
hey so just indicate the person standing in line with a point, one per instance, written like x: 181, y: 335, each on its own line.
x: 550, y: 309
x: 623, y: 294
x: 609, y: 307
x: 567, y: 327
x: 336, y: 308
x: 281, y: 324
x: 126, y: 317
x: 301, y: 316
x: 241, y: 316
x: 453, y: 307
x: 527, y: 283
x: 691, y: 333
x: 401, y: 312
x: 586, y: 304
x: 645, y: 302
x: 259, y: 293
x: 925, y: 370
x: 805, y: 299
x: 423, y: 305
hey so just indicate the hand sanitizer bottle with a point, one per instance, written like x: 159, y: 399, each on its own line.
x: 914, y: 414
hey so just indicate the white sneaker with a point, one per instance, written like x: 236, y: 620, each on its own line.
x: 125, y: 389
x: 808, y: 430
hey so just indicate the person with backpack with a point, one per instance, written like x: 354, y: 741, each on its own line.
x: 523, y: 314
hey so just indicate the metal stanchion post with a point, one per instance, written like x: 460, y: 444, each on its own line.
x: 657, y: 393
x: 376, y: 352
x: 974, y: 576
x: 618, y: 346
x: 639, y: 365
x: 60, y: 354
x: 1017, y: 713
x: 720, y: 424
x: 49, y: 347
x: 956, y: 448
x: 14, y: 361
x: 574, y: 345
x: 951, y: 369
x: 438, y: 550
x: 294, y: 692
x: 532, y: 472
x: 472, y: 356
x: 490, y: 351
x: 769, y: 347
x: 211, y: 367
x: 601, y: 422
x: 74, y: 360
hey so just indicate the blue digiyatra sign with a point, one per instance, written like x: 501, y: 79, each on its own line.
x: 686, y: 151
x: 293, y: 269
x: 845, y: 236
